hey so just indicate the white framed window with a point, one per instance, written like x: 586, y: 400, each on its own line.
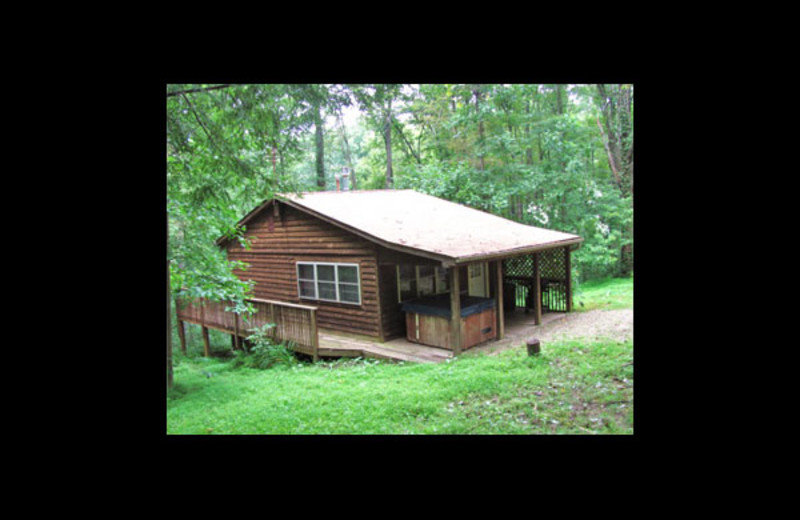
x: 329, y: 282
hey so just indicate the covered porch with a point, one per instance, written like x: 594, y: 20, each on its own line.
x: 519, y: 325
x: 469, y: 302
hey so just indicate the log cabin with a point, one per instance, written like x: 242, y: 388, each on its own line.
x: 397, y: 263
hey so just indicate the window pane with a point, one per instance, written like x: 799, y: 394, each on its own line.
x: 305, y: 271
x: 348, y: 273
x: 408, y: 289
x: 307, y: 289
x: 348, y: 293
x: 407, y: 272
x: 441, y: 280
x: 325, y: 272
x: 327, y: 290
x: 425, y: 285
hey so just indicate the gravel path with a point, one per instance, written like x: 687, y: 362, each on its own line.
x: 616, y: 325
x: 613, y: 324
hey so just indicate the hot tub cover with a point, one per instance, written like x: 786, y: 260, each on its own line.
x: 439, y: 305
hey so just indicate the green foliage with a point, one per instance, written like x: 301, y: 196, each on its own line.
x: 266, y: 353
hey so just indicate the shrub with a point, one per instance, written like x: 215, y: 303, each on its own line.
x: 266, y: 352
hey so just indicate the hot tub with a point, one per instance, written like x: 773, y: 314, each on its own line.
x: 428, y: 321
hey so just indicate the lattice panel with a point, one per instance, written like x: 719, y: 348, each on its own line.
x: 519, y: 266
x: 553, y: 268
x: 519, y: 272
x: 552, y: 264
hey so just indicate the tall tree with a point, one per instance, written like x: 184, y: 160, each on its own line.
x: 387, y: 139
x: 318, y: 98
x: 346, y: 149
x: 170, y: 378
x: 376, y: 101
x: 320, y: 146
x: 616, y: 106
x: 478, y: 92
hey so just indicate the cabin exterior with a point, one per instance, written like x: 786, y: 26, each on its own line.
x: 396, y: 263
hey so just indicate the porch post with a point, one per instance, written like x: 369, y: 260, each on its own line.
x: 537, y: 290
x: 455, y: 311
x: 500, y: 319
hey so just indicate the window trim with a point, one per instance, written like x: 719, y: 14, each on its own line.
x: 336, y: 281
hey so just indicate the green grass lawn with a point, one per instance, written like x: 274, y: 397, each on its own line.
x: 609, y: 293
x: 570, y: 388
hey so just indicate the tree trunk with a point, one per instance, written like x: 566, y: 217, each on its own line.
x: 320, y: 147
x: 529, y: 147
x: 616, y: 106
x: 170, y: 381
x: 481, y: 159
x: 387, y: 139
x: 406, y: 142
x: 347, y: 152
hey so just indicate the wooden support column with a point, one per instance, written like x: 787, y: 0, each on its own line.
x: 455, y: 311
x: 568, y: 268
x: 273, y: 331
x: 182, y: 336
x: 206, y: 344
x: 236, y: 345
x: 499, y: 302
x: 537, y: 290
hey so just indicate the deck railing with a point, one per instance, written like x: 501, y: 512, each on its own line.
x: 293, y: 322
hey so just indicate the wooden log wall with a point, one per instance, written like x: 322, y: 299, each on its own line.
x: 392, y: 316
x: 291, y: 236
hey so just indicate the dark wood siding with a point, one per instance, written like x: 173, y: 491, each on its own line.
x: 392, y: 316
x: 279, y: 242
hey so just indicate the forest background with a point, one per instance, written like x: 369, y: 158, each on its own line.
x: 558, y: 156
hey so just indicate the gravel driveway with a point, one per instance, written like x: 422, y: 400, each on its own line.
x: 613, y: 324
x: 616, y: 325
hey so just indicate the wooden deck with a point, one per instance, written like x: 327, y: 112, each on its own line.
x: 518, y: 326
x: 298, y: 324
x: 334, y: 344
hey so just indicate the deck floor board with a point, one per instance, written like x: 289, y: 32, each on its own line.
x: 332, y: 344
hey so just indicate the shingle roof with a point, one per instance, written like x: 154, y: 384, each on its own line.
x: 425, y: 225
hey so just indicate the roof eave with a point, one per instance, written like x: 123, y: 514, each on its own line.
x: 482, y: 257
